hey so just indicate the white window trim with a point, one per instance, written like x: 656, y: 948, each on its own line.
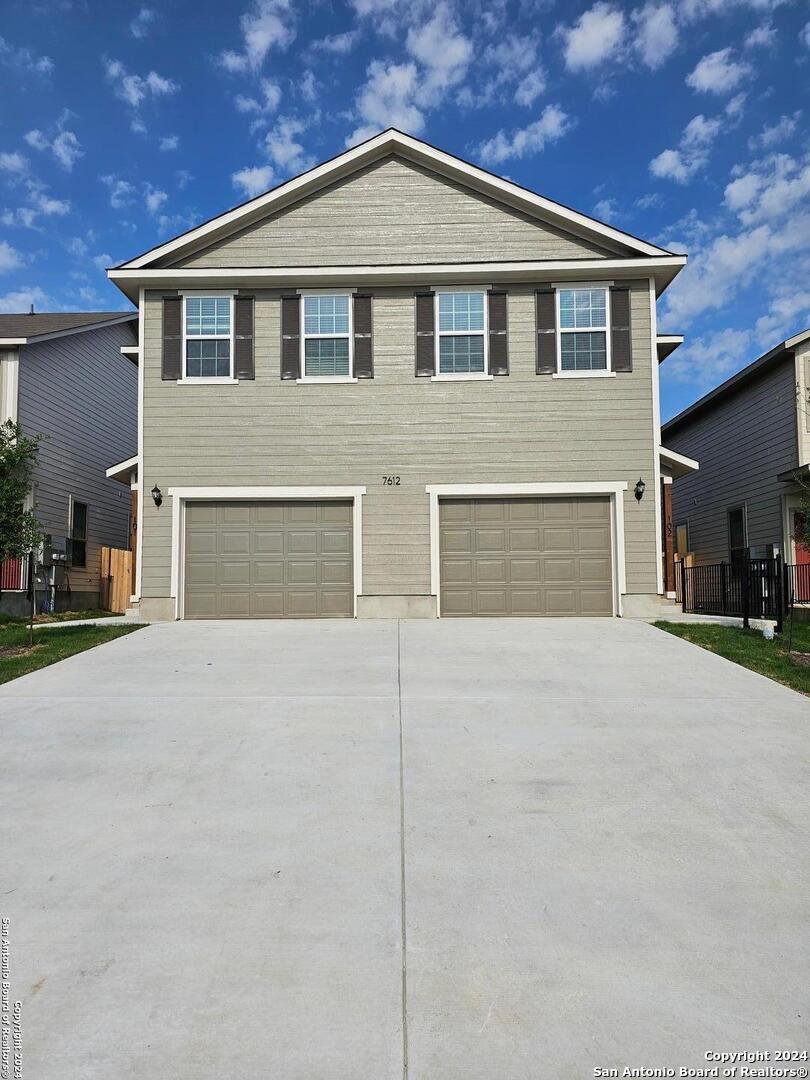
x: 599, y: 373
x: 460, y: 376
x: 615, y: 489
x: 208, y: 380
x: 304, y: 378
x: 180, y: 496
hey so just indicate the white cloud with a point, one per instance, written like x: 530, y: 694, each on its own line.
x: 597, y: 35
x: 77, y: 246
x: 718, y: 72
x: 36, y: 139
x: 530, y: 88
x: 170, y: 142
x: 48, y: 206
x: 253, y: 181
x: 270, y: 24
x: 606, y: 210
x: 773, y: 187
x: 763, y: 36
x: 777, y: 132
x: 271, y: 98
x: 692, y: 152
x: 804, y: 35
x: 122, y: 192
x: 154, y: 198
x: 13, y: 162
x: 22, y: 299
x: 142, y: 23
x: 101, y: 262
x: 10, y: 258
x: 15, y: 56
x: 656, y: 33
x: 442, y: 49
x: 552, y: 125
x: 67, y: 149
x: 708, y: 359
x: 387, y: 100
x: 696, y: 9
x: 135, y: 89
x: 283, y: 148
x: 339, y: 44
x: 309, y: 86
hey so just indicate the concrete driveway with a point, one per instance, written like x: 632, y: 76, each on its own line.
x: 604, y: 853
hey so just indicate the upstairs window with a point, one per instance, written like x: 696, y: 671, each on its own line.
x: 327, y: 336
x: 461, y: 333
x: 583, y: 315
x: 208, y: 337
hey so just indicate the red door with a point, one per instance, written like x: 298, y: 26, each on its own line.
x: 802, y: 553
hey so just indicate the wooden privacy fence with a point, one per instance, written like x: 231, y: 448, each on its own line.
x: 115, y: 579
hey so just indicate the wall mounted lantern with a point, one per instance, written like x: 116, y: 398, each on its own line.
x: 638, y: 490
x: 157, y: 495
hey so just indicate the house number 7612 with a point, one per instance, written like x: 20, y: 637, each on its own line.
x: 391, y: 481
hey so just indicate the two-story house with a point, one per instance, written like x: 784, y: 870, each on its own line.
x: 399, y: 385
x: 752, y: 436
x: 71, y: 377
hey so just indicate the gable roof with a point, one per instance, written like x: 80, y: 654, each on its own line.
x: 714, y: 397
x: 26, y: 328
x: 389, y: 142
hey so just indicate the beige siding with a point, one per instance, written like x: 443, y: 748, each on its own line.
x: 392, y: 212
x: 82, y: 395
x: 521, y: 428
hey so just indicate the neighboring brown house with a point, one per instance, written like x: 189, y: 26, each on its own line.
x: 752, y: 437
x: 399, y: 385
x: 72, y: 378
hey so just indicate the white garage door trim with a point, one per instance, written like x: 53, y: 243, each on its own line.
x: 180, y: 496
x: 614, y: 489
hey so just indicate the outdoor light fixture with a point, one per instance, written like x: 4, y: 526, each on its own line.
x: 157, y: 495
x: 638, y: 490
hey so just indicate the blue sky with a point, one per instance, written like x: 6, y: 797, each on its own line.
x: 684, y: 122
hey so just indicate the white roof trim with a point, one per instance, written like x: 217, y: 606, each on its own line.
x: 122, y: 466
x: 6, y: 341
x: 393, y: 141
x: 671, y: 457
x: 797, y: 339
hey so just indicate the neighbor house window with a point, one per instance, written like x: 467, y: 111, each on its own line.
x: 583, y: 329
x: 461, y: 344
x: 208, y: 337
x: 78, y: 533
x: 737, y: 535
x: 326, y: 337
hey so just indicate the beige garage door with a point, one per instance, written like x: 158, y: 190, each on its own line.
x: 268, y: 560
x: 526, y: 557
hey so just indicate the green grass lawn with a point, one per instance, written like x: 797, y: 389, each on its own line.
x: 59, y: 616
x: 750, y: 649
x: 17, y: 657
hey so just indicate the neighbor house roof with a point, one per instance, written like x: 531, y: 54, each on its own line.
x: 142, y: 271
x: 709, y: 401
x: 26, y: 328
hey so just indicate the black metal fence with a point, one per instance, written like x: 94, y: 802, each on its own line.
x: 747, y: 589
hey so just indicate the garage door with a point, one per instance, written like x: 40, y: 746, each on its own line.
x: 268, y: 560
x: 525, y: 556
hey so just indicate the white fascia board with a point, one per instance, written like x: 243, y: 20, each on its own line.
x: 386, y: 142
x: 122, y: 466
x: 671, y: 457
x: 266, y: 492
x: 791, y: 343
x: 10, y: 342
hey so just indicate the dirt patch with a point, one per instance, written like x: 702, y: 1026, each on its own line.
x: 8, y: 652
x: 802, y: 658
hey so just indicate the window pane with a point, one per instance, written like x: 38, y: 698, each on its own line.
x: 584, y: 352
x: 326, y: 356
x: 461, y: 354
x: 461, y: 311
x: 79, y: 530
x: 582, y: 308
x: 208, y: 315
x: 208, y: 359
x: 326, y: 314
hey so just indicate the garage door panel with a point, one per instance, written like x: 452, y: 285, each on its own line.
x: 548, y: 556
x: 282, y: 559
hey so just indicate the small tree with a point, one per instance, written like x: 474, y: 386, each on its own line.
x: 19, y: 529
x: 801, y: 526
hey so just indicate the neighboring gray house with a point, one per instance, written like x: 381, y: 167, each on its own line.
x: 752, y: 437
x: 72, y: 378
x: 398, y: 385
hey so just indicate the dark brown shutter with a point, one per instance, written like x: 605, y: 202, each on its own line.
x: 425, y: 334
x: 243, y: 365
x: 291, y: 337
x: 498, y: 350
x: 621, y: 352
x: 546, y: 332
x: 363, y: 342
x: 172, y: 361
